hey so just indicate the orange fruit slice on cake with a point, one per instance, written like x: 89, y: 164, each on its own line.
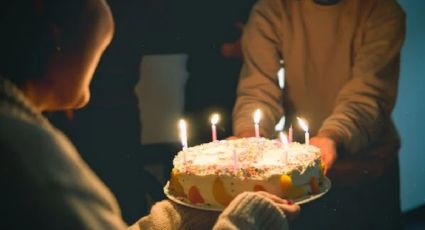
x: 220, y: 194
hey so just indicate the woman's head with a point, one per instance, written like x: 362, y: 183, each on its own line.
x: 50, y: 48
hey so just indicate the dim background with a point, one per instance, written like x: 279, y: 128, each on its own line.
x: 107, y: 131
x: 410, y: 108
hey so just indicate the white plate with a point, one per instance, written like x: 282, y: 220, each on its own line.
x: 324, y: 188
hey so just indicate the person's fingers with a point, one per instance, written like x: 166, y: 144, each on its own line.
x: 328, y: 160
x: 291, y: 211
x: 325, y: 163
x: 327, y: 147
x: 273, y: 197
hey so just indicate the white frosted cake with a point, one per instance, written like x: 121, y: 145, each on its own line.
x: 213, y: 174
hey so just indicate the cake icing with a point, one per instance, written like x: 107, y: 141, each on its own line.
x: 214, y: 173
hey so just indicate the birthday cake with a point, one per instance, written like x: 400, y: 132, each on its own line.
x: 213, y: 174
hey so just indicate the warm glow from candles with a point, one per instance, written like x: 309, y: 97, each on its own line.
x: 281, y: 75
x: 280, y: 125
x: 257, y: 116
x: 215, y: 118
x: 283, y: 138
x: 303, y: 124
x: 183, y: 133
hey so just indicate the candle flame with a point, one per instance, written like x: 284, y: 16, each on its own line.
x: 257, y: 116
x: 303, y: 124
x: 281, y: 77
x: 280, y: 125
x: 215, y: 118
x: 183, y: 132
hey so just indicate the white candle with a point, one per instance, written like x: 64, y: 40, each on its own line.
x: 183, y: 133
x: 257, y: 118
x: 214, y: 120
x: 304, y: 126
x: 284, y: 140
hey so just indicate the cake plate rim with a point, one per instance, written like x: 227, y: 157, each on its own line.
x: 324, y: 188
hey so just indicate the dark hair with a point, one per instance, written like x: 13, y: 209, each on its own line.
x: 26, y: 40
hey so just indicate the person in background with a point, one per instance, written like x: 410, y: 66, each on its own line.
x: 341, y: 59
x: 49, y: 50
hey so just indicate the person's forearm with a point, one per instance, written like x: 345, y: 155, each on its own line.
x: 363, y: 106
x: 257, y: 88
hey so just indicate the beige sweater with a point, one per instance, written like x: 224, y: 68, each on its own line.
x: 46, y: 184
x: 342, y: 69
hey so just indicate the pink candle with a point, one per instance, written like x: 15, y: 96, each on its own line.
x: 257, y: 118
x: 214, y: 120
x: 213, y: 133
x: 307, y: 138
x: 235, y: 161
x: 257, y: 130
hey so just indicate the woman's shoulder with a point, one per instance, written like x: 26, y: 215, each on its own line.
x: 23, y: 136
x: 38, y: 151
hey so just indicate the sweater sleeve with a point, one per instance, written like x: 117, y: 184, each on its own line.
x: 258, y: 87
x: 364, y: 104
x: 250, y: 211
x: 170, y: 215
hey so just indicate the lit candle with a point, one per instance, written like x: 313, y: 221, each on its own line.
x: 304, y: 126
x: 214, y: 120
x: 183, y: 133
x: 290, y: 134
x: 257, y: 118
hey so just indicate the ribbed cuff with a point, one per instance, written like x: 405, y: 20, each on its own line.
x: 252, y: 211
